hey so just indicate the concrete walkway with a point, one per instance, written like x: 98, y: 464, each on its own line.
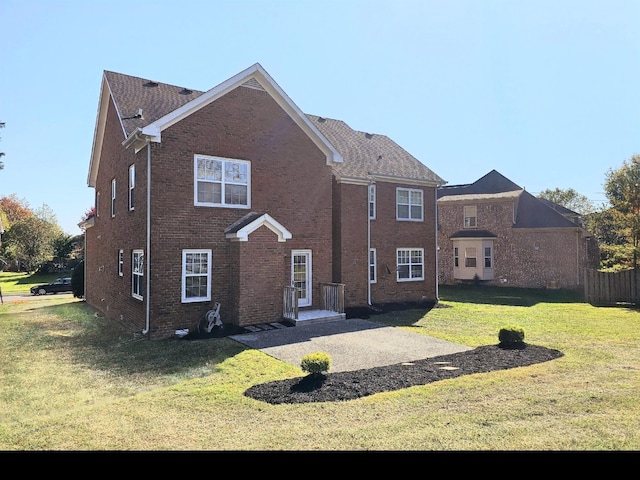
x: 353, y: 344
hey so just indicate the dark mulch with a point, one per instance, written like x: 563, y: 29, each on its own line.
x: 360, y: 383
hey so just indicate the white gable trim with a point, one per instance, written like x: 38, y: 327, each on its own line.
x: 153, y: 131
x: 266, y: 220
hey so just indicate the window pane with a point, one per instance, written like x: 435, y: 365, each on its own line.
x: 235, y: 195
x: 402, y: 196
x: 403, y: 211
x: 209, y: 192
x: 235, y: 172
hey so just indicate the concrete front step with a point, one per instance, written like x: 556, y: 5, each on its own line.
x: 309, y: 317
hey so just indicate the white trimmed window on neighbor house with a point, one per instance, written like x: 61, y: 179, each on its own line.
x: 137, y: 273
x: 409, y: 204
x: 196, y: 275
x: 120, y: 262
x: 222, y: 182
x: 410, y: 264
x: 470, y: 216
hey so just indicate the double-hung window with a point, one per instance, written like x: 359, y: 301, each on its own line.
x: 113, y: 197
x: 372, y: 265
x: 470, y: 216
x: 409, y: 204
x: 470, y: 259
x: 137, y: 274
x: 410, y: 264
x: 222, y: 182
x: 196, y: 275
x: 372, y: 202
x: 132, y: 185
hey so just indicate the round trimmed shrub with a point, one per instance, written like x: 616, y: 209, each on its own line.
x: 315, y: 363
x: 511, y: 335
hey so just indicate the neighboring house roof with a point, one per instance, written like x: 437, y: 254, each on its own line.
x: 372, y: 156
x: 531, y: 212
x: 146, y: 108
x: 473, y: 234
x: 492, y: 182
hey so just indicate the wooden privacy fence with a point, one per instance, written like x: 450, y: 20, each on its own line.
x: 608, y: 288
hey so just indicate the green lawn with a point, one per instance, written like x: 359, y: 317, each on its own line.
x: 71, y: 380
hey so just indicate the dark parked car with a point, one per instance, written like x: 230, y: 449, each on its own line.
x: 60, y: 285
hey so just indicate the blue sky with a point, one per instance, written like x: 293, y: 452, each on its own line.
x: 545, y: 92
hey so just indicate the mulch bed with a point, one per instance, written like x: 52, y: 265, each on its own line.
x: 341, y: 386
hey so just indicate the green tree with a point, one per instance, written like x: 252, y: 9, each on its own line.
x: 569, y: 198
x: 622, y: 188
x: 29, y: 240
x: 63, y: 247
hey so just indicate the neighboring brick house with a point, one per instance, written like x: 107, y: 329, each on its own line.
x: 234, y: 195
x: 495, y: 232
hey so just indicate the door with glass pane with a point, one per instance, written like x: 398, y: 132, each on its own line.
x: 301, y: 275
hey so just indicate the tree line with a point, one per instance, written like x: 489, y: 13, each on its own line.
x: 32, y: 239
x: 615, y: 225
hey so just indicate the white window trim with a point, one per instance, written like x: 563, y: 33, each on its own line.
x: 120, y: 263
x: 132, y: 184
x: 372, y: 202
x: 410, y: 251
x: 373, y: 262
x: 224, y: 161
x: 410, y: 191
x: 134, y: 273
x: 113, y: 197
x: 467, y: 214
x: 206, y: 298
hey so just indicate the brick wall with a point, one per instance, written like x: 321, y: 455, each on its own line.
x: 387, y: 234
x: 529, y: 258
x: 289, y: 180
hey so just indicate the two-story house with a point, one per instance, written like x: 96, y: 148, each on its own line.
x: 495, y: 232
x: 234, y: 195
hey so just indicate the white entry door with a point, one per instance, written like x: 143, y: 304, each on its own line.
x: 301, y: 275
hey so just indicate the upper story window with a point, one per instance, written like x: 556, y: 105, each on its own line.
x: 372, y: 202
x: 137, y: 273
x: 113, y: 197
x: 410, y: 264
x: 222, y: 182
x: 132, y: 185
x: 196, y: 275
x: 470, y: 216
x: 409, y: 204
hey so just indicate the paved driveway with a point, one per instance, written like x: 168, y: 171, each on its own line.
x: 353, y: 344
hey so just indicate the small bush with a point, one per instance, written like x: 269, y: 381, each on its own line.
x: 315, y: 363
x: 511, y: 335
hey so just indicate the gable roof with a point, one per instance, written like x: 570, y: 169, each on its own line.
x: 492, y: 183
x: 241, y: 229
x: 372, y: 156
x: 531, y: 212
x: 146, y: 108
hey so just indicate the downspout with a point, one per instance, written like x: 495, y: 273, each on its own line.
x: 146, y: 262
x: 578, y: 257
x: 435, y: 194
x: 369, y: 244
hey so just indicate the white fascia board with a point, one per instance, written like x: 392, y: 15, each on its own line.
x: 266, y: 220
x: 154, y: 130
x: 98, y: 134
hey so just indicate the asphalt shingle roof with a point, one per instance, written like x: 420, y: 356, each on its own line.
x: 365, y: 155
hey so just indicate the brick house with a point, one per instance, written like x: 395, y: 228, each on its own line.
x: 495, y: 232
x: 234, y: 195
